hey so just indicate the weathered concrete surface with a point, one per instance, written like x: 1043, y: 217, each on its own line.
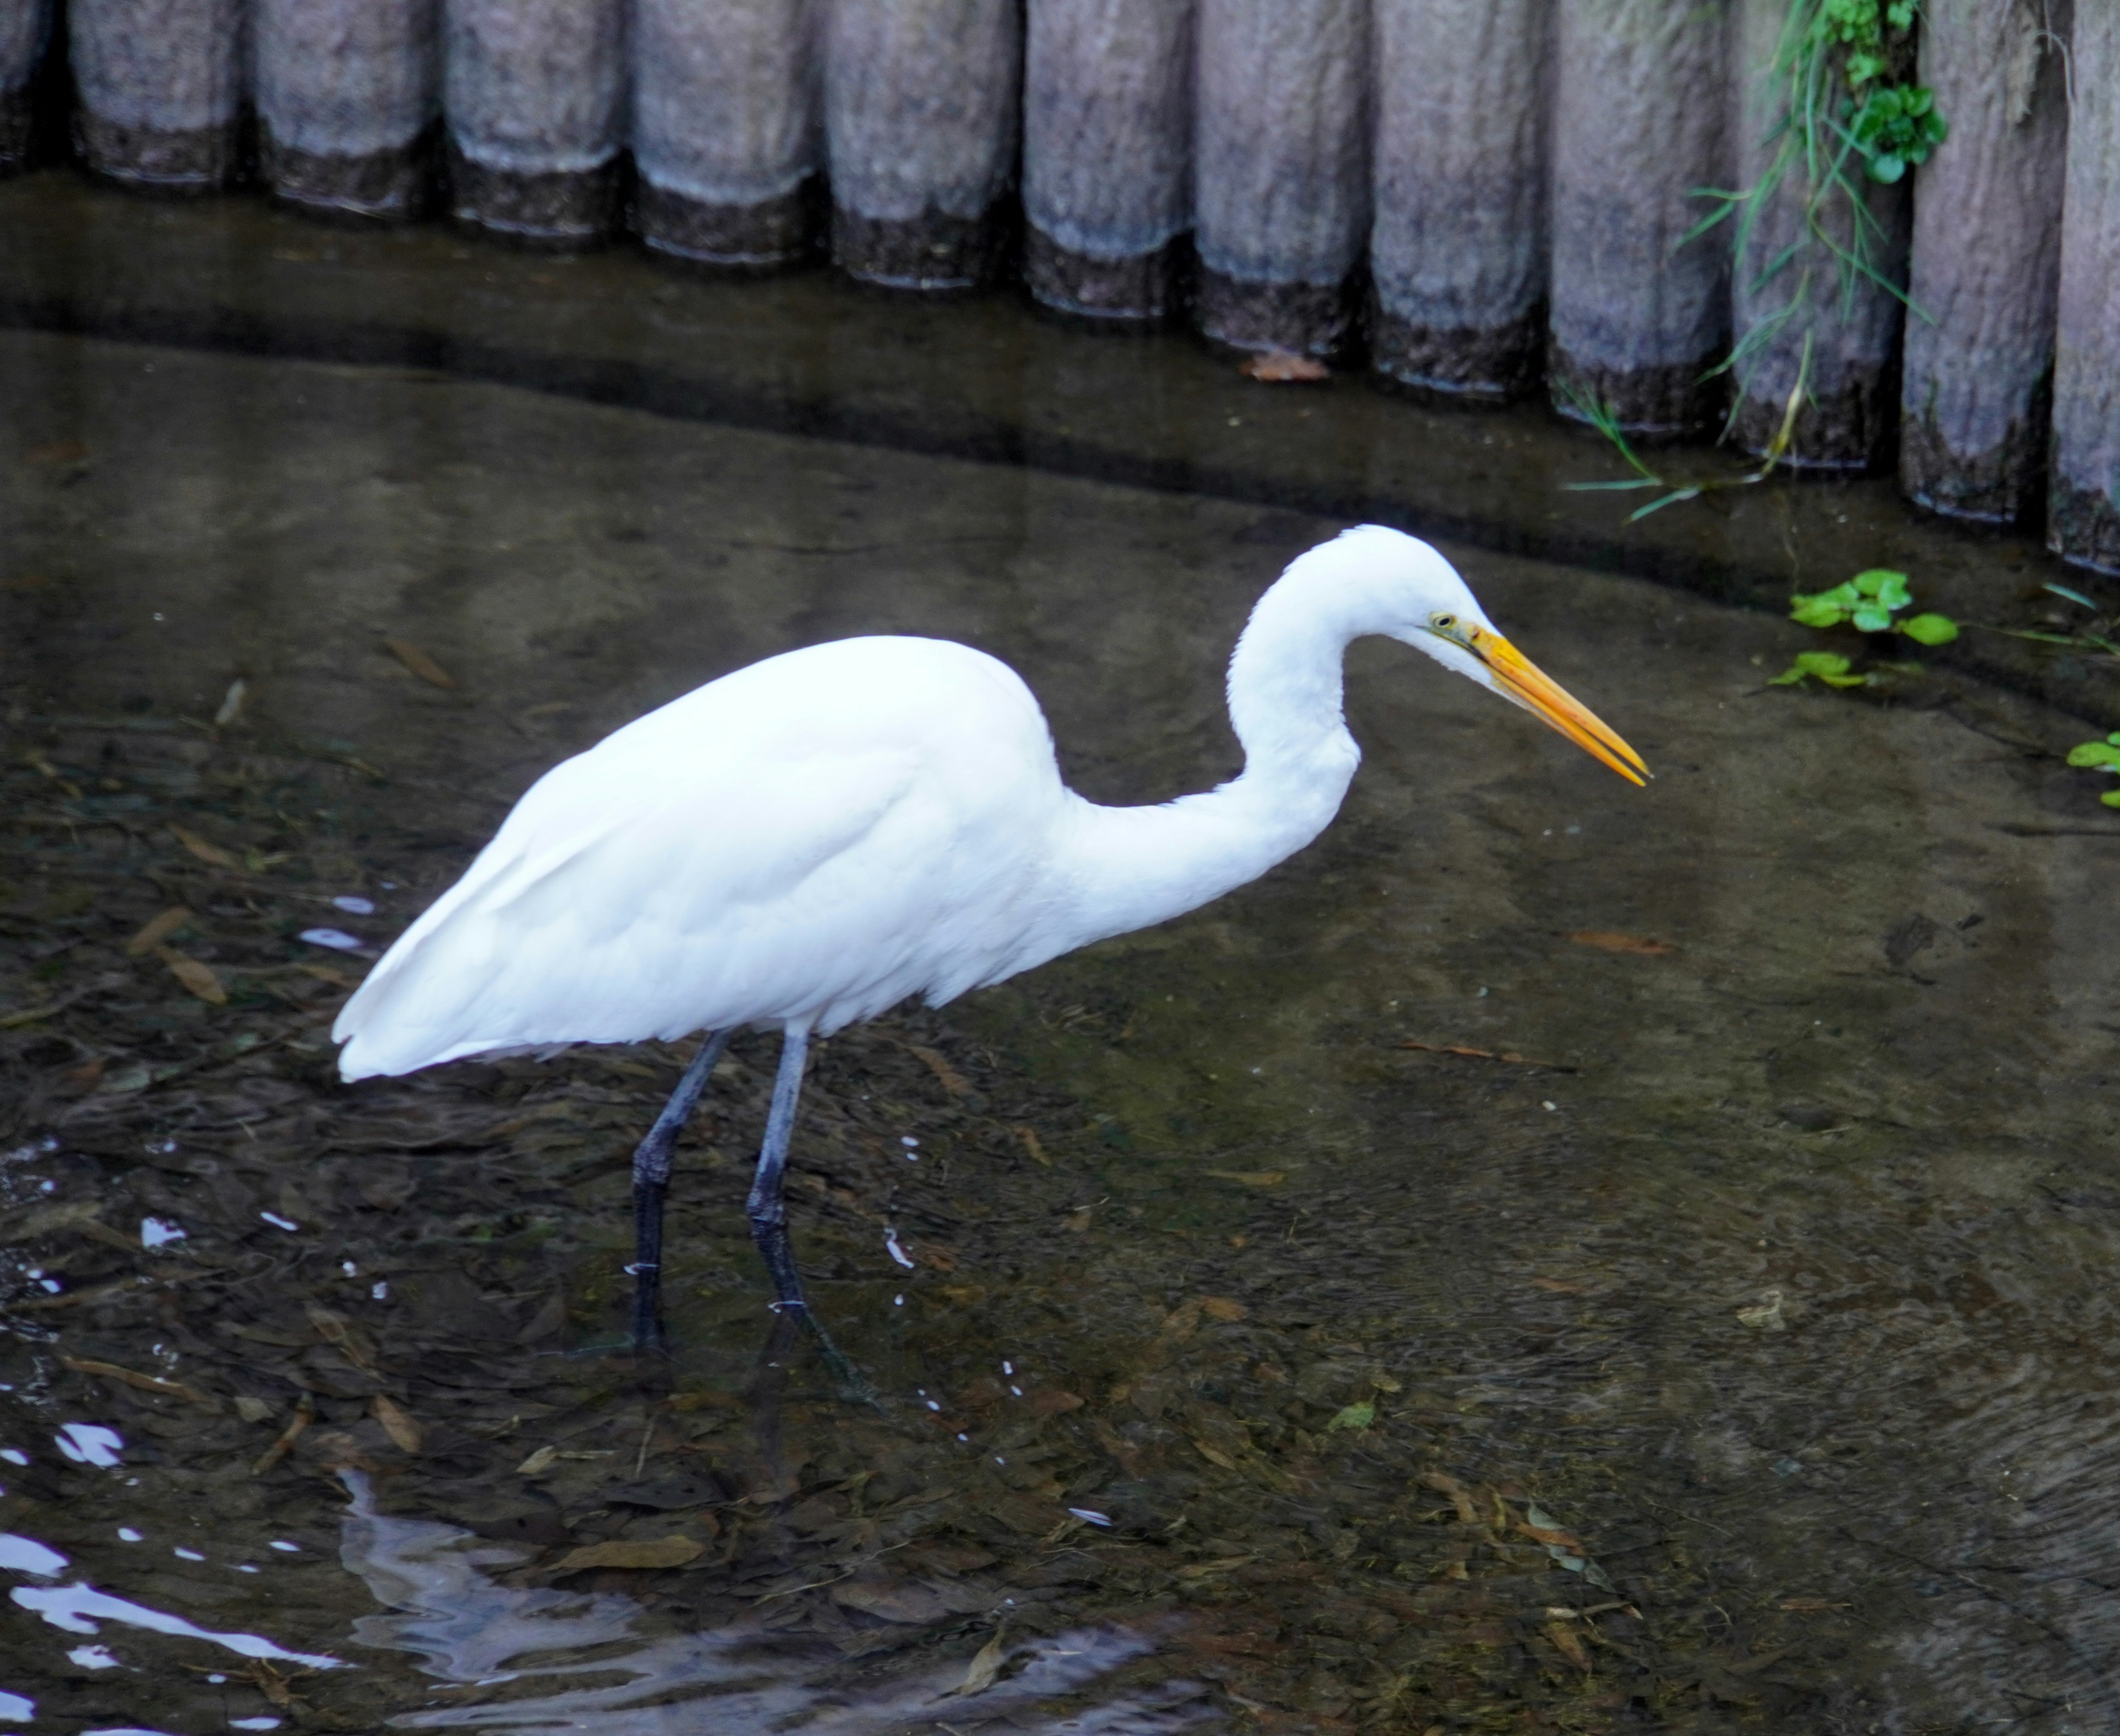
x: 1282, y: 170
x: 347, y: 96
x: 25, y: 27
x: 1986, y: 260
x: 1457, y: 255
x: 534, y: 92
x: 161, y: 84
x: 728, y: 129
x: 1108, y: 154
x: 921, y: 108
x: 1640, y: 313
x: 1800, y: 313
x: 2083, y: 503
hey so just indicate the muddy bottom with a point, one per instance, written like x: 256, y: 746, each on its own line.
x: 1551, y: 1257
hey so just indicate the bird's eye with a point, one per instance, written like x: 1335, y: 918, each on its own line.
x: 1443, y: 623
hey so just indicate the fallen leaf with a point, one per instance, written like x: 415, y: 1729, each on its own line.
x: 252, y: 1409
x: 1052, y: 1401
x: 1353, y: 1416
x: 891, y: 1600
x: 951, y: 1079
x: 1766, y: 1317
x: 143, y: 1382
x: 397, y: 1423
x: 661, y: 1552
x: 1571, y: 1648
x: 1470, y: 1053
x: 335, y: 1329
x: 419, y: 662
x: 196, y: 977
x: 1461, y: 1497
x: 156, y: 930
x: 1214, y: 1454
x: 1606, y: 940
x: 57, y: 452
x: 231, y: 704
x: 1031, y: 1145
x: 1280, y: 367
x: 539, y: 1462
x: 212, y: 855
x: 1222, y: 1308
x: 985, y: 1666
x: 305, y: 1413
x: 1261, y: 1178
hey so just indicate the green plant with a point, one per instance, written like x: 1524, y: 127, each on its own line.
x: 1869, y: 601
x: 1600, y: 415
x: 1839, y: 106
x: 1828, y: 666
x: 2105, y: 756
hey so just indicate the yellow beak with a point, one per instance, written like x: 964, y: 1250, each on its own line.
x: 1522, y: 681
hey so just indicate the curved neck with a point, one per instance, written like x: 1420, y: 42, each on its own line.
x: 1120, y: 869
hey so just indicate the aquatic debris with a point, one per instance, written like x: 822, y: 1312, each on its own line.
x: 1259, y: 1178
x: 1282, y: 367
x: 354, y: 905
x: 157, y: 930
x: 212, y: 854
x: 1611, y: 940
x: 985, y: 1667
x: 199, y: 978
x: 1508, y: 1056
x: 398, y: 1422
x: 142, y: 1382
x: 305, y: 1413
x: 1353, y: 1416
x: 231, y: 703
x: 157, y: 1232
x: 419, y: 662
x: 1765, y: 1315
x: 673, y: 1551
x: 895, y: 1249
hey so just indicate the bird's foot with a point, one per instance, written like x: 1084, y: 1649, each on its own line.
x: 855, y: 1387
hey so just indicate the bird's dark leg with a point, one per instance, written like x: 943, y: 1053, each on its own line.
x: 651, y: 1183
x: 768, y: 1214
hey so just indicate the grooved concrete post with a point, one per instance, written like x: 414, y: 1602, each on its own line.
x: 534, y: 92
x: 25, y: 25
x: 1108, y: 154
x: 1986, y: 260
x: 2083, y: 500
x: 346, y: 91
x: 920, y: 114
x: 1280, y: 170
x: 1457, y: 254
x: 1636, y: 317
x: 160, y: 84
x: 1851, y: 322
x: 727, y: 128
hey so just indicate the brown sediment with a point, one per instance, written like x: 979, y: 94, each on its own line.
x: 933, y: 251
x: 193, y: 159
x: 1482, y: 364
x: 562, y: 207
x: 760, y: 236
x: 1303, y: 318
x: 387, y: 186
x: 1654, y: 402
x: 1143, y: 287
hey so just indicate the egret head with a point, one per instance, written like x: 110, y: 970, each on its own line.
x: 1421, y: 601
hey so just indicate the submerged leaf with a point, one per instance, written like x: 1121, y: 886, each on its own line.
x: 1929, y: 629
x: 1354, y: 1416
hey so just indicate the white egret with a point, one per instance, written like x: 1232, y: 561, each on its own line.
x: 810, y: 840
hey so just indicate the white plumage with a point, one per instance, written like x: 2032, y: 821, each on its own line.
x: 812, y: 839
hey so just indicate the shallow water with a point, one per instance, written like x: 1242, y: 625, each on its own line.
x: 1737, y: 1353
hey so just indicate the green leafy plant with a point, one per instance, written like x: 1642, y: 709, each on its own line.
x: 1828, y: 666
x: 2105, y: 756
x: 1869, y: 601
x: 1896, y: 128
